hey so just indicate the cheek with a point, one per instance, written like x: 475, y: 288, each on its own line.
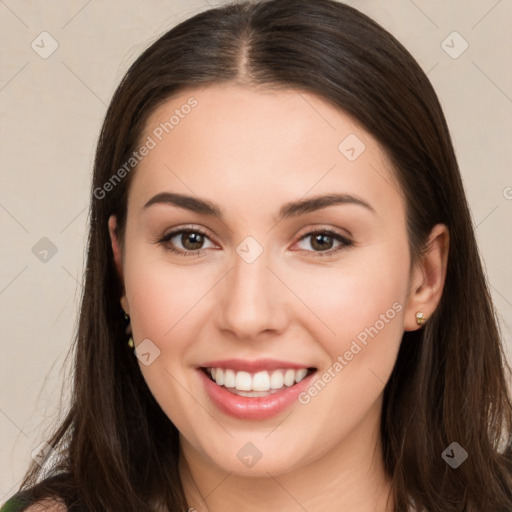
x: 162, y: 295
x: 165, y: 302
x: 159, y: 301
x: 363, y: 304
x: 367, y: 289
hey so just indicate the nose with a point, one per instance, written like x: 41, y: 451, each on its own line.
x: 252, y: 300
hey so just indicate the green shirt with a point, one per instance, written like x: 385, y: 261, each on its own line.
x: 17, y: 503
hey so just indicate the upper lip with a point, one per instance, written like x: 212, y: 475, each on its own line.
x: 254, y: 366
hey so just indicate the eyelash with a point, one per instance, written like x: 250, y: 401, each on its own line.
x: 345, y: 242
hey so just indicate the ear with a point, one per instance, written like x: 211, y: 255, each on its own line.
x: 116, y: 250
x: 428, y: 278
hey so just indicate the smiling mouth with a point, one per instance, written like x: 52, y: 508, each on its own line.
x: 258, y: 384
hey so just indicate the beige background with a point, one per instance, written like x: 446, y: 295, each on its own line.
x: 51, y: 113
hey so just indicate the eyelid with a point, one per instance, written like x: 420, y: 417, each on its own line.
x: 326, y: 228
x: 176, y: 231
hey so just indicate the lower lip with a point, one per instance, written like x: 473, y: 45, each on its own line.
x: 253, y: 408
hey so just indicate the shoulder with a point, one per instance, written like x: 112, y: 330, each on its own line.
x: 21, y: 503
x: 48, y: 495
x: 47, y: 506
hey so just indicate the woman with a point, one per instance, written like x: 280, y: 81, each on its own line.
x: 332, y: 343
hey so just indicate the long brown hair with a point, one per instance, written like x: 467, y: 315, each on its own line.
x: 449, y: 382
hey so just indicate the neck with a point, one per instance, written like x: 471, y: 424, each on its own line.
x: 349, y: 476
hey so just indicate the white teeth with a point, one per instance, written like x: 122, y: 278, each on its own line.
x: 261, y: 381
x: 229, y: 378
x: 243, y: 381
x: 257, y: 382
x: 300, y: 374
x: 277, y: 380
x: 289, y: 378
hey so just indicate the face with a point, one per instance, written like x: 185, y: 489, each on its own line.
x: 232, y: 261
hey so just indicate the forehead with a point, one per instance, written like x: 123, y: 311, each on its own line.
x: 250, y: 145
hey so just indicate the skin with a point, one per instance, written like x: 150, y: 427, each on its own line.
x: 249, y: 152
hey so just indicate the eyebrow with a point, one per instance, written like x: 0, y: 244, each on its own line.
x: 291, y: 209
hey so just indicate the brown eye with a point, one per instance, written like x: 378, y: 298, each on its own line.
x: 191, y: 240
x: 322, y: 242
x: 185, y: 242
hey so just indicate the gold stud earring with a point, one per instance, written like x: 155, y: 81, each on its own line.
x: 420, y: 319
